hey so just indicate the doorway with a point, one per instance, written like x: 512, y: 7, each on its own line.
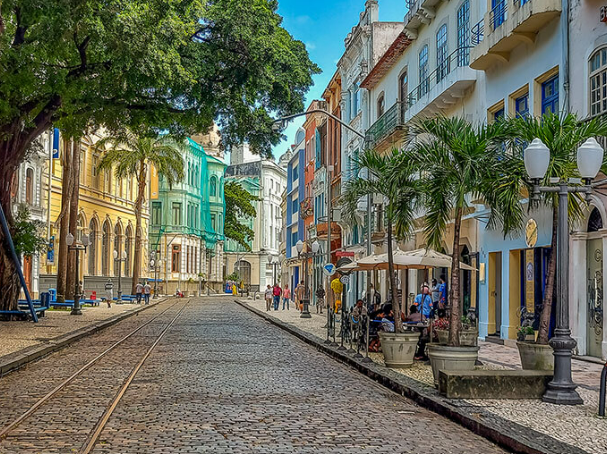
x: 594, y: 329
x: 495, y: 294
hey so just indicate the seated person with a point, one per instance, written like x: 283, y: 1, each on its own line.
x: 387, y: 321
x: 358, y: 311
x: 374, y: 327
x: 414, y: 315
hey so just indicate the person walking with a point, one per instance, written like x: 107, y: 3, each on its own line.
x: 442, y: 290
x: 109, y: 292
x: 146, y: 292
x: 300, y: 295
x: 320, y: 299
x: 423, y: 301
x: 139, y: 292
x: 286, y: 296
x: 276, y: 292
x: 268, y: 296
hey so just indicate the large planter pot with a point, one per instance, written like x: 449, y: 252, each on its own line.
x: 443, y: 357
x: 399, y: 348
x: 535, y: 356
x: 467, y: 337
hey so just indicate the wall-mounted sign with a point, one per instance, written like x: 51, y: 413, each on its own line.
x: 329, y: 269
x: 531, y: 233
x: 344, y: 254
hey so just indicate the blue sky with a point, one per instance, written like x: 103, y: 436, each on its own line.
x: 322, y: 25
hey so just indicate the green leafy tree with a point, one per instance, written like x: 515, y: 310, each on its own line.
x: 459, y: 162
x: 562, y: 134
x: 388, y: 175
x: 239, y: 205
x: 175, y: 66
x: 131, y: 156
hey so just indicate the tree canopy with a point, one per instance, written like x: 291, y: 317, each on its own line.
x: 239, y: 206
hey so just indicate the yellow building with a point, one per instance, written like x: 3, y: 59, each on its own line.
x: 106, y: 213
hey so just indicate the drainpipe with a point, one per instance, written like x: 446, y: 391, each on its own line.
x: 565, y: 13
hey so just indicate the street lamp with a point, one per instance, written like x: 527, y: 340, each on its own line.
x: 71, y: 246
x: 274, y: 267
x: 119, y: 260
x: 305, y: 256
x: 561, y: 390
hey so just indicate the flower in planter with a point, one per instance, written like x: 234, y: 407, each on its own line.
x: 524, y: 331
x: 441, y: 324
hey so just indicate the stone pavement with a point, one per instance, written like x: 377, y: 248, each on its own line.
x: 560, y: 422
x: 222, y: 381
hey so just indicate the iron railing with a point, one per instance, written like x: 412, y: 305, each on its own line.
x: 386, y: 124
x: 478, y: 32
x: 497, y: 16
x: 457, y: 58
x: 413, y: 6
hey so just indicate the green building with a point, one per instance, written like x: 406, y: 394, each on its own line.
x: 187, y: 220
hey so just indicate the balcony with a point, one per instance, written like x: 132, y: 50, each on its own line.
x: 306, y: 208
x: 508, y: 24
x: 322, y: 230
x: 443, y: 87
x: 388, y: 129
x: 420, y: 12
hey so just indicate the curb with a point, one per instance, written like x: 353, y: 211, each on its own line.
x: 507, y: 434
x: 27, y: 355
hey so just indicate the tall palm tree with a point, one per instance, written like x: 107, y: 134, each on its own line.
x: 400, y: 191
x: 459, y: 162
x: 562, y: 134
x: 130, y: 155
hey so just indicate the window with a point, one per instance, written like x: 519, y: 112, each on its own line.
x: 498, y: 114
x: 403, y: 87
x: 498, y: 12
x: 213, y: 186
x: 214, y: 222
x: 521, y: 105
x: 295, y: 173
x: 381, y: 105
x: 176, y: 213
x: 442, y: 60
x: 29, y: 186
x: 294, y: 239
x: 295, y: 206
x: 423, y: 72
x: 550, y: 95
x: 157, y: 213
x: 598, y: 82
x: 175, y: 258
x: 355, y: 101
x: 463, y: 34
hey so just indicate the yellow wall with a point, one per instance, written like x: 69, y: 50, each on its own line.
x: 101, y: 198
x: 515, y: 292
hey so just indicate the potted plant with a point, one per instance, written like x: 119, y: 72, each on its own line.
x: 525, y: 334
x: 388, y: 176
x: 468, y: 335
x: 534, y: 355
x: 457, y: 159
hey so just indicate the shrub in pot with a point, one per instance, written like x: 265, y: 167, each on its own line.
x: 468, y: 335
x: 534, y: 355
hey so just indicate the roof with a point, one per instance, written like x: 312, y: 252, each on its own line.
x: 396, y: 49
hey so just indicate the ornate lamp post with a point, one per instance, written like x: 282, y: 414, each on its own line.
x: 305, y: 256
x: 120, y: 259
x: 561, y: 390
x: 71, y: 246
x: 155, y: 264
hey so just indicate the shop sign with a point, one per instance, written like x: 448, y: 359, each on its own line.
x: 531, y: 233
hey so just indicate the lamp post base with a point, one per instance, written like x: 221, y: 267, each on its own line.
x: 305, y: 313
x: 76, y: 311
x: 561, y: 390
x: 562, y: 396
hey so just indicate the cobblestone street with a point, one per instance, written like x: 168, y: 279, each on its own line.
x: 221, y: 380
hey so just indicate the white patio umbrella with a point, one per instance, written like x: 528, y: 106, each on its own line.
x: 403, y: 260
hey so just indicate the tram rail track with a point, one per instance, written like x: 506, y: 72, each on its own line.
x: 6, y: 431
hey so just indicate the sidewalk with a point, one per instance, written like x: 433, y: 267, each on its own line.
x: 17, y: 336
x: 578, y: 426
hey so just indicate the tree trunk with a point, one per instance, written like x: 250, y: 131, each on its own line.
x: 138, y: 230
x: 398, y: 323
x: 66, y: 187
x: 544, y: 330
x: 455, y: 320
x: 71, y: 278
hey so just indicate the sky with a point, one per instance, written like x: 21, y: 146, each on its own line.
x: 323, y: 25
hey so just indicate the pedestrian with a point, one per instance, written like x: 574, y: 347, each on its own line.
x: 286, y: 296
x: 139, y: 292
x: 276, y: 292
x: 300, y: 295
x: 442, y: 290
x: 423, y: 301
x: 435, y: 294
x: 268, y: 296
x: 320, y: 299
x: 146, y: 292
x: 109, y: 292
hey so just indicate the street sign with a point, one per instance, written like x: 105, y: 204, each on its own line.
x: 329, y: 269
x: 344, y: 254
x: 345, y: 279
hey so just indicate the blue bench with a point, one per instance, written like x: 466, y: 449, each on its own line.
x: 40, y: 310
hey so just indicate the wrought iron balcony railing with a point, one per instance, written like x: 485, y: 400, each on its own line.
x: 385, y: 125
x: 497, y: 16
x: 478, y: 32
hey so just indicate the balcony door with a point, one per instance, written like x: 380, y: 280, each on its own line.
x: 403, y: 91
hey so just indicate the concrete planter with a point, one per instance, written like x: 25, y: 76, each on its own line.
x: 443, y: 357
x: 535, y: 356
x: 467, y: 337
x: 399, y: 348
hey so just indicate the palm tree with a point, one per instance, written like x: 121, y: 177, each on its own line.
x: 562, y: 135
x: 459, y: 162
x: 399, y: 189
x: 130, y: 155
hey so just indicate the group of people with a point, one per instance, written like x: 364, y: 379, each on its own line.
x: 274, y: 294
x: 430, y: 300
x: 142, y: 292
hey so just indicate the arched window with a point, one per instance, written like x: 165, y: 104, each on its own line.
x: 381, y: 105
x: 595, y: 222
x: 92, y: 250
x: 598, y: 82
x: 423, y: 72
x: 442, y: 61
x: 117, y: 247
x: 106, y: 247
x: 213, y: 186
x: 463, y: 34
x: 29, y: 186
x: 128, y: 247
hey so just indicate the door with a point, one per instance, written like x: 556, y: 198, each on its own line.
x: 495, y: 294
x: 594, y: 326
